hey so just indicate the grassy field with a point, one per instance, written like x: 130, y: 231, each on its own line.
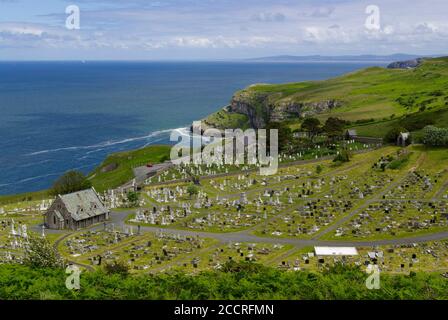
x: 383, y: 97
x: 116, y: 170
x: 24, y: 197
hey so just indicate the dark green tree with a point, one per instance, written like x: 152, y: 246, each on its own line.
x: 312, y: 126
x: 133, y: 198
x: 334, y: 128
x: 284, y: 135
x: 71, y: 181
x: 192, y: 190
x: 392, y: 135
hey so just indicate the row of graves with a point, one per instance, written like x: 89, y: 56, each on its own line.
x: 307, y: 219
x: 167, y: 195
x: 86, y: 243
x: 217, y: 256
x: 252, y: 182
x: 356, y: 186
x: 211, y: 214
x: 13, y: 241
x: 118, y: 198
x: 391, y: 218
x: 159, y: 250
x: 418, y: 185
x: 29, y: 207
x: 424, y: 257
x: 140, y: 252
x: 186, y: 170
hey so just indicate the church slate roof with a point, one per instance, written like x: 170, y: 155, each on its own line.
x: 83, y: 204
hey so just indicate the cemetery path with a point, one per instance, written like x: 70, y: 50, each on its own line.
x: 245, y: 236
x: 56, y: 247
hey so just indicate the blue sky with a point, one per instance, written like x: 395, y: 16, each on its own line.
x: 218, y: 29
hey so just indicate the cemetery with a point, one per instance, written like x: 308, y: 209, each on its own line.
x: 423, y: 257
x: 264, y: 219
x: 395, y: 218
x: 139, y: 251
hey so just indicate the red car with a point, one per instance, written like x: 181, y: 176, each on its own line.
x: 149, y: 165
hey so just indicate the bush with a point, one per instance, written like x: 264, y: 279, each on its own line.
x: 433, y: 136
x: 117, y: 267
x: 343, y: 156
x: 39, y: 253
x: 399, y: 162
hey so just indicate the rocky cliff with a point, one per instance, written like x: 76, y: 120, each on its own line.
x: 414, y: 63
x: 261, y: 108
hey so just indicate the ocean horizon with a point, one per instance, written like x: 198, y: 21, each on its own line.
x: 62, y: 115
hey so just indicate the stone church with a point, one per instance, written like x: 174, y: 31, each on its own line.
x: 76, y: 210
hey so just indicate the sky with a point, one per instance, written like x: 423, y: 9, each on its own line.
x: 219, y: 29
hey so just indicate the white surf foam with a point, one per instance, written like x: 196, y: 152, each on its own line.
x: 106, y: 143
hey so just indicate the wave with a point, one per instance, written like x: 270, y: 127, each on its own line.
x: 34, y: 164
x: 106, y: 143
x: 50, y: 174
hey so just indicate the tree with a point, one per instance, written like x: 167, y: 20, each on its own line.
x: 392, y: 135
x: 312, y: 126
x: 71, y: 181
x: 39, y: 253
x: 133, y: 198
x: 284, y: 135
x: 192, y: 190
x: 334, y: 128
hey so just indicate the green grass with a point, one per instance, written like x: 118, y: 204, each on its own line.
x: 383, y: 95
x: 24, y: 197
x: 227, y: 120
x: 124, y: 162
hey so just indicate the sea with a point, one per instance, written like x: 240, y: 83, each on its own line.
x: 58, y: 116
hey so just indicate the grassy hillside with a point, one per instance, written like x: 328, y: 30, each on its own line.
x: 372, y: 99
x: 23, y: 197
x: 116, y: 170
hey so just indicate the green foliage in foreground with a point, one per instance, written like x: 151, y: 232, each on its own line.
x: 235, y: 281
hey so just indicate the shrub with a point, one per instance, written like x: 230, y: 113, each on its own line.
x: 342, y: 156
x: 39, y: 253
x: 117, y: 267
x: 433, y: 136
